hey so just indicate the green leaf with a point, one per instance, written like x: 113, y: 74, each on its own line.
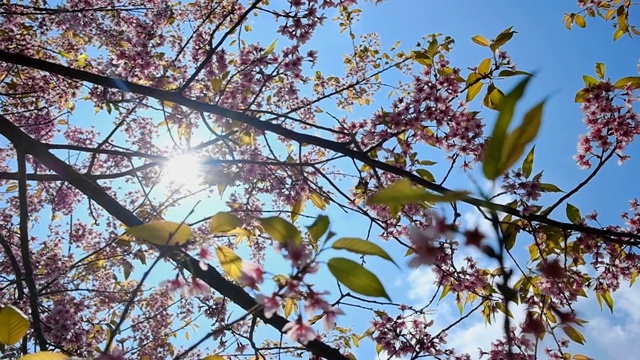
x: 230, y: 262
x: 520, y: 137
x: 162, y: 232
x: 14, y: 325
x: 632, y: 81
x: 573, y: 214
x: 581, y: 96
x: 502, y: 38
x: 426, y: 174
x: 608, y: 300
x: 361, y: 246
x: 318, y: 228
x: 403, y: 192
x: 484, y: 67
x: 574, y: 334
x: 296, y: 209
x: 269, y: 49
x: 493, y: 97
x: 600, y: 70
x: 281, y: 230
x: 494, y: 149
x: 580, y: 21
x: 544, y: 187
x: 480, y: 40
x: 590, y: 80
x: 355, y: 277
x: 474, y: 90
x: 223, y: 222
x: 527, y: 163
x: 214, y: 357
x: 45, y: 355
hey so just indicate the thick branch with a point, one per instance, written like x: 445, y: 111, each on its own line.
x: 610, y: 236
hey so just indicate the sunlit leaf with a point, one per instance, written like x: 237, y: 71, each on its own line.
x: 516, y: 142
x: 281, y: 230
x: 573, y: 214
x: 214, y: 357
x: 355, y: 277
x: 581, y: 96
x: 581, y: 357
x: 590, y: 80
x: 290, y: 306
x: 608, y: 300
x: 230, y: 262
x: 223, y: 222
x: 403, y: 192
x: 474, y: 90
x: 580, y: 21
x: 426, y: 174
x: 544, y: 187
x: 318, y: 201
x: 361, y: 246
x: 484, y: 67
x: 14, y: 325
x: 574, y: 334
x: 631, y: 81
x: 45, y: 355
x: 600, y: 70
x: 494, y: 149
x: 296, y: 209
x: 480, y: 40
x: 162, y: 232
x: 269, y: 49
x: 318, y: 228
x: 527, y: 163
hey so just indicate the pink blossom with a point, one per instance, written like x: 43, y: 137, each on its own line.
x: 329, y: 321
x: 251, y: 274
x: 174, y: 284
x: 270, y: 304
x: 299, y: 331
x: 204, y: 254
x: 198, y: 287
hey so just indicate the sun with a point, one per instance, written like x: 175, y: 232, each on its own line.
x: 183, y: 170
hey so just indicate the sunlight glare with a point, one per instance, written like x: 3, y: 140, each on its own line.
x: 183, y: 170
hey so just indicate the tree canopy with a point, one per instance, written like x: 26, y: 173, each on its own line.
x: 178, y: 178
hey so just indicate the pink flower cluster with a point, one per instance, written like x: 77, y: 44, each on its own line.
x: 611, y: 125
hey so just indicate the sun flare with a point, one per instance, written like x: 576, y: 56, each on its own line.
x: 184, y: 170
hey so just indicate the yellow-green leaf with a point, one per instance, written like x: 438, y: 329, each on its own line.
x: 590, y: 81
x: 494, y: 149
x: 608, y: 300
x: 281, y: 230
x: 493, y: 97
x: 573, y: 214
x: 516, y: 142
x: 318, y: 228
x: 581, y: 357
x: 474, y: 90
x: 403, y: 192
x: 270, y: 49
x: 480, y: 40
x: 581, y: 96
x: 318, y: 201
x: 574, y: 334
x: 355, y: 277
x: 484, y: 67
x: 600, y: 70
x: 14, y: 325
x: 361, y: 246
x: 162, y: 232
x: 290, y: 306
x: 580, y: 21
x: 527, y: 163
x: 223, y: 222
x: 617, y: 34
x: 426, y: 174
x: 214, y: 357
x: 45, y: 355
x: 296, y: 209
x: 632, y: 81
x: 230, y: 262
